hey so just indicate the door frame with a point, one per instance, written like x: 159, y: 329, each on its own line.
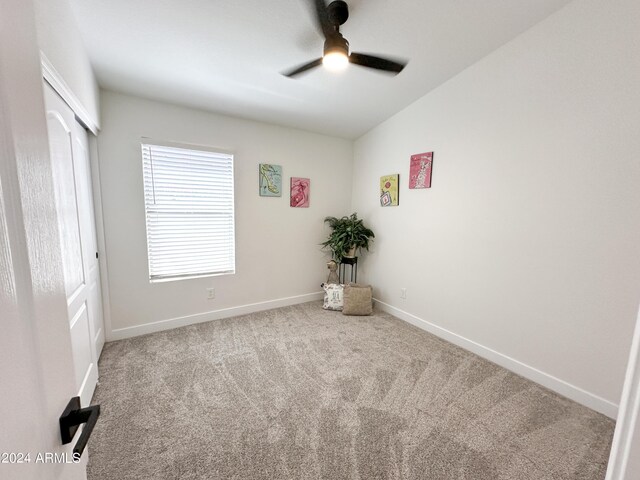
x: 626, y: 438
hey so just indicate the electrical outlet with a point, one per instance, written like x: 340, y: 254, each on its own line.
x: 211, y: 293
x: 403, y: 293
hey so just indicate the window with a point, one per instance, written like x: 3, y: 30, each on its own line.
x: 188, y: 197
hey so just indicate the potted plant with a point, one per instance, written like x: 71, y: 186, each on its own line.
x: 348, y: 234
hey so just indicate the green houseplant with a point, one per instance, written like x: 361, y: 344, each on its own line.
x: 347, y: 235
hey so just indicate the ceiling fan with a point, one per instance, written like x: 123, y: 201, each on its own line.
x: 336, y: 48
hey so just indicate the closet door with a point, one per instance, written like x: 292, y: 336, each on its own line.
x: 89, y: 239
x: 70, y: 164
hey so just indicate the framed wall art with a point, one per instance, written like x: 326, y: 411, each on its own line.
x: 389, y: 190
x: 300, y: 189
x: 420, y: 170
x: 270, y: 180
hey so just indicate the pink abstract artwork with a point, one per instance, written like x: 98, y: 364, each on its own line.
x: 300, y: 192
x: 420, y: 170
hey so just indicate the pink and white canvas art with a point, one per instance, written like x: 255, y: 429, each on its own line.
x: 420, y: 170
x: 300, y: 189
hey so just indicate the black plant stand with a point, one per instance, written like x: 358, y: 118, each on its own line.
x: 354, y: 269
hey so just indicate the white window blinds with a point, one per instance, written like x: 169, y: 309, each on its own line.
x: 188, y: 196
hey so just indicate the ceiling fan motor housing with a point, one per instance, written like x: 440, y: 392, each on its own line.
x: 338, y: 12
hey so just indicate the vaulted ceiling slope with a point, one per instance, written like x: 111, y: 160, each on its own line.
x: 227, y: 56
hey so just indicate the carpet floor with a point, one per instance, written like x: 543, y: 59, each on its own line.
x: 302, y: 393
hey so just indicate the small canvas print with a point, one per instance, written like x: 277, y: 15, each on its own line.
x: 270, y: 180
x: 300, y: 188
x: 389, y: 190
x: 420, y: 170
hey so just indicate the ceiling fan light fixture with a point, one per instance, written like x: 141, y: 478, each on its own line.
x: 335, y: 61
x: 336, y: 53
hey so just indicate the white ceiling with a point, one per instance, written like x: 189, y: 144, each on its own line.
x: 226, y: 56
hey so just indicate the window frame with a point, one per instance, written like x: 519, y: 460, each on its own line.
x: 145, y: 141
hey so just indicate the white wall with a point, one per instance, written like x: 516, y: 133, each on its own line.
x: 528, y: 243
x: 59, y: 39
x: 277, y: 251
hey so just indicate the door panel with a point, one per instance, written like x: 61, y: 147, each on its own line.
x: 83, y: 354
x: 89, y: 240
x: 70, y: 165
x: 61, y: 146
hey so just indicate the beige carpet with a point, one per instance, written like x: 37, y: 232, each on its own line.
x: 300, y: 393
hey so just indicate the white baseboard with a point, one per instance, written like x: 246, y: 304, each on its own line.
x: 576, y: 394
x: 128, y: 332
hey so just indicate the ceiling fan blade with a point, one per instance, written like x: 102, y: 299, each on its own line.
x: 323, y: 18
x: 378, y: 63
x: 303, y: 68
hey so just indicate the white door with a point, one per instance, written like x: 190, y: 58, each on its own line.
x: 36, y: 365
x: 70, y: 165
x: 89, y: 240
